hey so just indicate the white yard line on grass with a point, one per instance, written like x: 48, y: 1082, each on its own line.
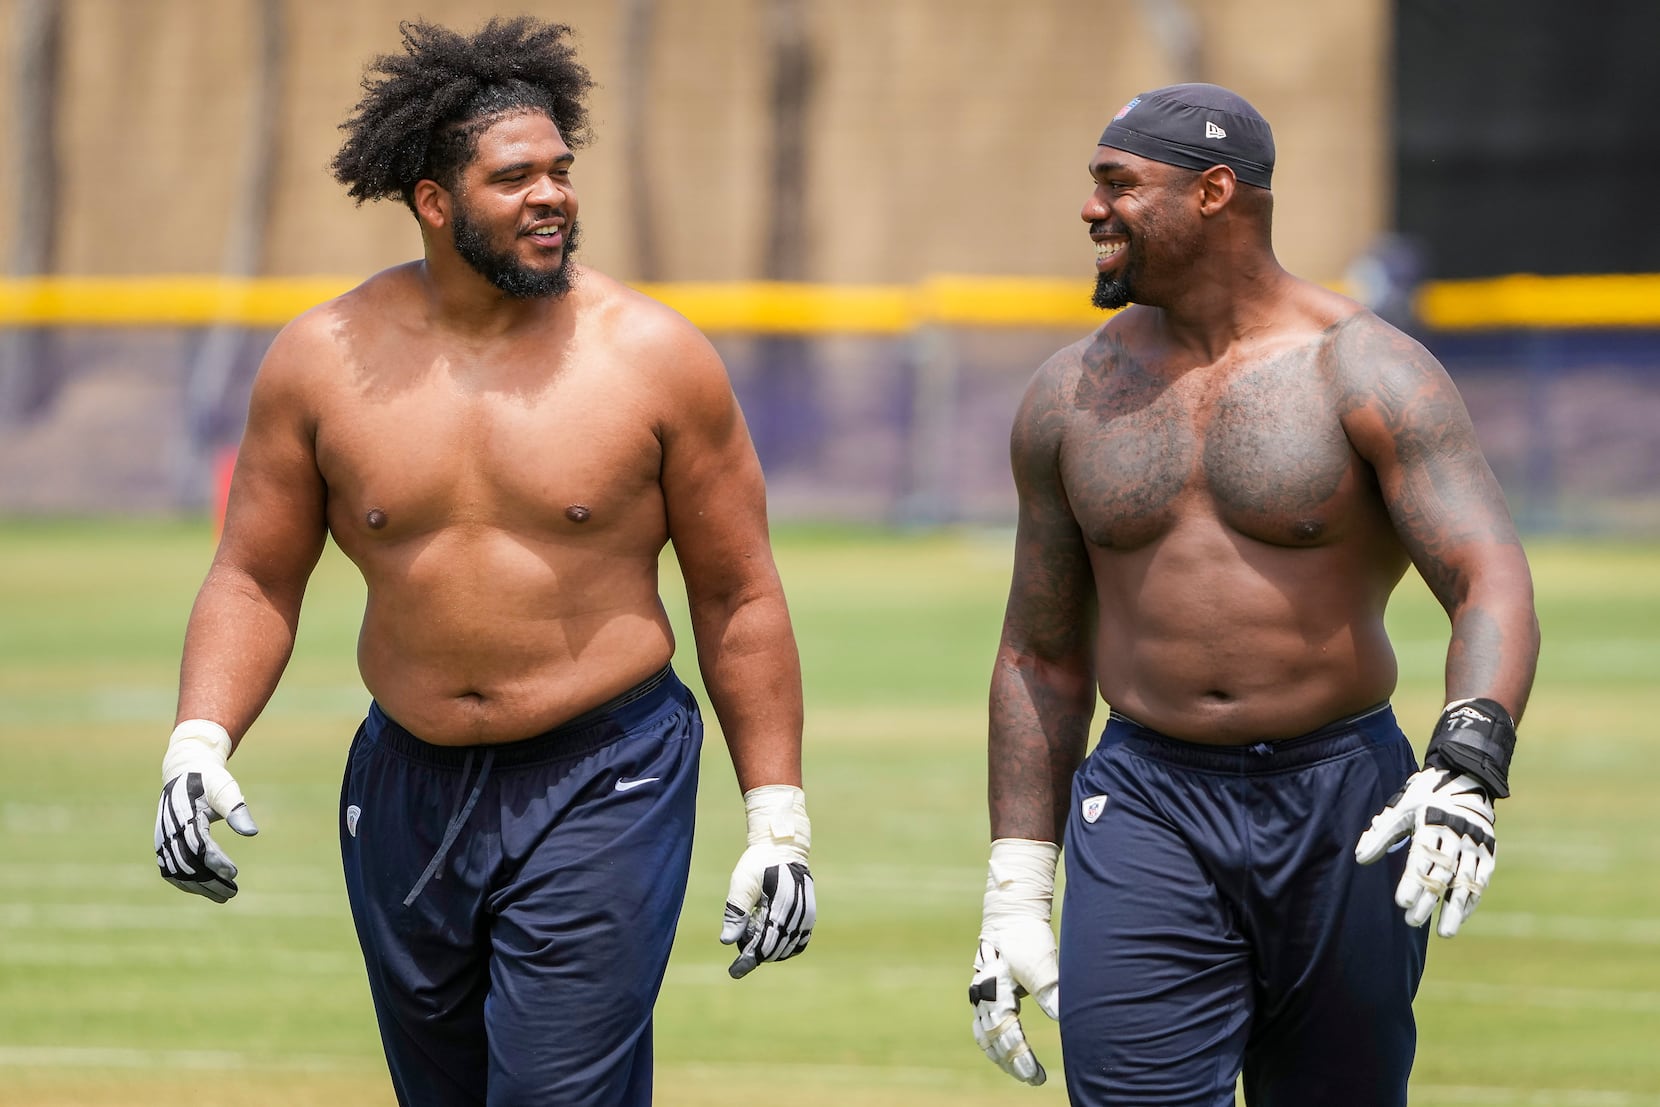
x: 142, y: 874
x: 98, y: 916
x: 153, y: 954
x: 1564, y: 999
x: 1590, y: 929
x: 129, y: 916
x: 214, y: 1060
x: 1530, y: 1097
x: 786, y: 1072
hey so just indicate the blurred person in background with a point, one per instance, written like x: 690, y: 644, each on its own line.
x: 504, y: 442
x: 1386, y: 278
x: 1218, y: 491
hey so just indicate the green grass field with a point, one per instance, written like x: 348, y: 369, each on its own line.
x: 117, y: 990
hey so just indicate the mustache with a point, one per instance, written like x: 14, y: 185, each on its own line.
x: 539, y: 215
x: 1106, y: 226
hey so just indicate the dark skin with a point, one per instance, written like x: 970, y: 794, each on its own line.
x: 1219, y: 490
x: 505, y: 472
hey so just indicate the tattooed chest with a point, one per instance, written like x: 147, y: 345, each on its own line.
x: 1271, y: 463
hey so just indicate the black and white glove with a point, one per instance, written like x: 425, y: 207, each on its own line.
x: 1450, y: 860
x: 770, y: 906
x: 198, y: 790
x: 1017, y: 955
x: 1447, y: 810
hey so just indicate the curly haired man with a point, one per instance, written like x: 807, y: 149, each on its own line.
x: 504, y: 442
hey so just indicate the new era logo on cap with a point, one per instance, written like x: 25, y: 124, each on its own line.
x: 1196, y: 126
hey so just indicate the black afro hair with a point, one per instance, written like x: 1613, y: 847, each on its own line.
x: 423, y: 109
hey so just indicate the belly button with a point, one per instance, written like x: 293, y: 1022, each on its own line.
x: 577, y: 513
x: 376, y: 518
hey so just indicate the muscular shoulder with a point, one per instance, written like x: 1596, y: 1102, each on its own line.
x: 1051, y: 400
x: 635, y: 323
x: 315, y: 341
x: 1391, y: 391
x: 1092, y: 376
x: 1049, y: 394
x: 299, y: 362
x: 659, y: 346
x: 1368, y: 359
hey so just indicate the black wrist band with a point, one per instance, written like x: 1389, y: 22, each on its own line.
x: 1477, y: 737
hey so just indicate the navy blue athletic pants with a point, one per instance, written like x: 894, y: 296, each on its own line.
x: 1215, y: 921
x: 516, y: 903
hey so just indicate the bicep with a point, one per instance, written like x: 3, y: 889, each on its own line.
x: 1051, y: 591
x: 1051, y: 601
x: 713, y: 488
x: 275, y: 521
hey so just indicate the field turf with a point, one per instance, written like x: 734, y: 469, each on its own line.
x: 118, y: 991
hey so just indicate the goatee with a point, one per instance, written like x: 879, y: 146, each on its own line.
x: 1111, y: 293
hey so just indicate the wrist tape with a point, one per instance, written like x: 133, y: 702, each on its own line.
x: 1020, y: 879
x: 776, y: 815
x: 1475, y: 736
x: 192, y: 740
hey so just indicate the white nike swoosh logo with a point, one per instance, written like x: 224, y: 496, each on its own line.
x: 625, y: 785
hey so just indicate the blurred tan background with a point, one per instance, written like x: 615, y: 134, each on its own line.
x: 941, y: 136
x: 856, y: 146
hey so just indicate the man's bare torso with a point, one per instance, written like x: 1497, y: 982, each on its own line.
x: 502, y: 501
x: 1241, y: 551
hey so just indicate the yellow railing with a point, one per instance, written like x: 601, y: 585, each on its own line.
x: 1542, y: 302
x: 1519, y: 301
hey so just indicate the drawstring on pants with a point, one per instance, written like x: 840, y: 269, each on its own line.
x: 458, y: 819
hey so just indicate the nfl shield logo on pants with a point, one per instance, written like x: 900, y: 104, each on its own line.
x: 1092, y: 808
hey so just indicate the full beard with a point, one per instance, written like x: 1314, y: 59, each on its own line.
x: 502, y: 269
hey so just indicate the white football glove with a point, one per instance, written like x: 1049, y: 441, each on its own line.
x: 1450, y: 819
x: 197, y: 790
x: 770, y: 907
x: 1017, y: 954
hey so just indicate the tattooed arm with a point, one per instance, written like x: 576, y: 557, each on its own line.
x: 1406, y: 418
x: 1042, y: 696
x: 1043, y: 686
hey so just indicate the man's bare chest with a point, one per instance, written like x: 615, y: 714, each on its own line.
x: 1262, y: 450
x: 437, y: 453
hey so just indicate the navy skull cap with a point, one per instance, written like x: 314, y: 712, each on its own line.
x: 1196, y: 126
